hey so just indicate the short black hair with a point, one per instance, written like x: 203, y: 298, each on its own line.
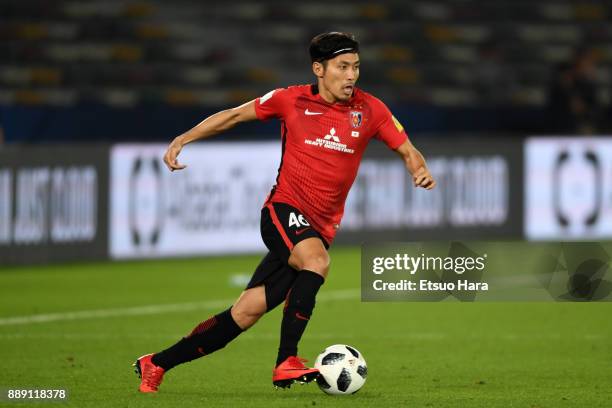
x: 328, y: 45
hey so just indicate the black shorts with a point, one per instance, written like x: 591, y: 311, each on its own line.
x: 282, y: 227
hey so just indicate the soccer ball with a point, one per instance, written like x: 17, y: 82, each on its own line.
x: 343, y: 370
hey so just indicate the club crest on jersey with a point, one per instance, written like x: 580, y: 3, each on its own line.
x: 356, y: 118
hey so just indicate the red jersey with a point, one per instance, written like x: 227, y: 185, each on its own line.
x: 322, y: 146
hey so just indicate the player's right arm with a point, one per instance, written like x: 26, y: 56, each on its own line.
x: 212, y: 125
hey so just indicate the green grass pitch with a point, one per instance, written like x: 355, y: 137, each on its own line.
x: 100, y: 317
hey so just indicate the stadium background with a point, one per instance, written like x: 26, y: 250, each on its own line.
x: 509, y: 102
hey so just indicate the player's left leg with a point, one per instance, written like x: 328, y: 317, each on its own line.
x: 290, y: 237
x: 312, y: 260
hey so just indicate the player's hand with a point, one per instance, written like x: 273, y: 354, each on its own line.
x: 422, y: 178
x: 171, y: 154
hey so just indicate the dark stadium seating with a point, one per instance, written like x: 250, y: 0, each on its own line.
x: 210, y: 54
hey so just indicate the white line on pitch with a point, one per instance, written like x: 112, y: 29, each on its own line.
x: 249, y: 337
x: 274, y: 336
x: 150, y: 309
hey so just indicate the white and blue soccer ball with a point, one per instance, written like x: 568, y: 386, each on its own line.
x: 343, y: 370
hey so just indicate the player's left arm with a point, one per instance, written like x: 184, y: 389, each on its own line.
x: 392, y: 133
x: 416, y: 165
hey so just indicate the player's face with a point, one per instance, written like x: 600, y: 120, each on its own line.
x: 340, y: 75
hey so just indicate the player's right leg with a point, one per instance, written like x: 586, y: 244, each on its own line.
x: 207, y: 337
x: 217, y: 331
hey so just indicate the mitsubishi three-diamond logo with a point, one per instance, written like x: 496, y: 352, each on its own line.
x: 332, y: 136
x: 330, y: 141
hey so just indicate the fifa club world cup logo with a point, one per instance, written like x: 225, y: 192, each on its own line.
x: 565, y: 214
x: 146, y: 201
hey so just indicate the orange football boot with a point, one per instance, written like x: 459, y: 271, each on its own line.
x: 150, y: 374
x: 293, y: 369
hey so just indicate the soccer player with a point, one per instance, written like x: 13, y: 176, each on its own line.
x: 325, y: 129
